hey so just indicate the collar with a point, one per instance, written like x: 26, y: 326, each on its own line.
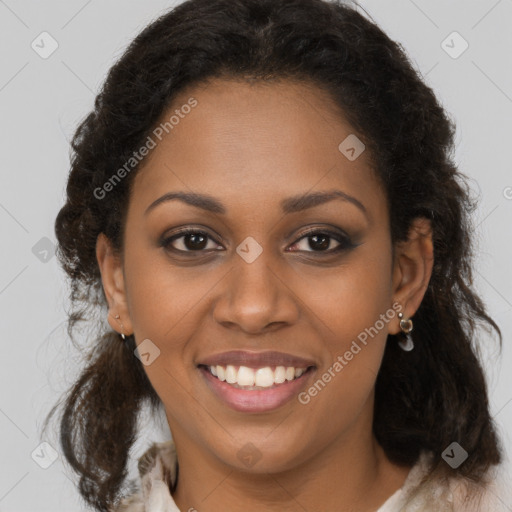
x: 158, y: 471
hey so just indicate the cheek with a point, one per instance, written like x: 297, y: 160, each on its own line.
x: 341, y: 299
x: 350, y: 297
x: 160, y: 295
x: 164, y: 302
x: 352, y: 308
x: 341, y: 303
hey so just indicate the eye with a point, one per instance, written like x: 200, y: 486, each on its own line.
x: 320, y: 240
x: 189, y: 240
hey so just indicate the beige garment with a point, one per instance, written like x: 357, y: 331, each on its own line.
x: 157, y: 469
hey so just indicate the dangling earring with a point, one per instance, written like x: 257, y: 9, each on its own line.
x: 406, y: 327
x: 122, y: 334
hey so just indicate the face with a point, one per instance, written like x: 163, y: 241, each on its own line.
x: 287, y: 267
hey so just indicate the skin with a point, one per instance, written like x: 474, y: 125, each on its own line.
x: 251, y: 145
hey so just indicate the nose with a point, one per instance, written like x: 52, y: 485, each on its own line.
x: 255, y: 298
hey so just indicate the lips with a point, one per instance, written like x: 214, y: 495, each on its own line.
x: 256, y: 382
x: 256, y: 359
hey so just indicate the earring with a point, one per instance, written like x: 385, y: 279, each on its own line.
x: 122, y: 334
x: 406, y: 327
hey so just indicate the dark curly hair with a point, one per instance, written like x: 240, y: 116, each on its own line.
x: 425, y: 399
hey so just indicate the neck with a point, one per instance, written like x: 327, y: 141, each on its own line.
x: 352, y: 473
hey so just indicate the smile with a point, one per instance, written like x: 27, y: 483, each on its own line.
x: 255, y: 390
x: 243, y: 377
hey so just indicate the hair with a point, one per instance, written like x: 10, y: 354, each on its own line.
x: 424, y: 399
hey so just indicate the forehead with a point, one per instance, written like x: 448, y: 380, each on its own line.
x: 255, y: 141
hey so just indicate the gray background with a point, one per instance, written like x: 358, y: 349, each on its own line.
x: 41, y: 102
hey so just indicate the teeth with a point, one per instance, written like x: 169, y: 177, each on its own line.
x: 221, y: 373
x: 230, y: 374
x: 280, y: 375
x: 255, y: 378
x: 245, y: 376
x: 264, y: 377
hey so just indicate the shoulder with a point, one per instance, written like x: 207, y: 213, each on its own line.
x: 494, y: 493
x: 133, y: 503
x: 157, y: 473
x: 428, y: 491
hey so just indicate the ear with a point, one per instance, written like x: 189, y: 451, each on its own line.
x: 412, y: 269
x: 112, y: 278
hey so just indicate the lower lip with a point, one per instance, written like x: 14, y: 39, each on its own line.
x: 256, y: 400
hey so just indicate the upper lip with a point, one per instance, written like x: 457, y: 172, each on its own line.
x: 256, y: 359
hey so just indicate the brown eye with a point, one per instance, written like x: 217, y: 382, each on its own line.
x: 319, y: 241
x: 189, y: 240
x: 322, y: 241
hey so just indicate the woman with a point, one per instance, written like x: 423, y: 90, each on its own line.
x: 263, y: 206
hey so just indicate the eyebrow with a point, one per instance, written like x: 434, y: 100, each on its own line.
x: 289, y: 205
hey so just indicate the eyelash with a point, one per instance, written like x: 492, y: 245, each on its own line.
x: 343, y: 240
